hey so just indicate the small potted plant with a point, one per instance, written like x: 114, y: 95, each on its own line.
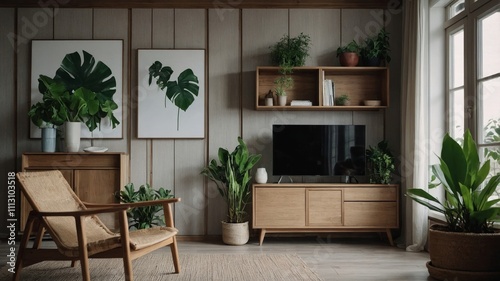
x: 349, y: 54
x: 342, y: 100
x: 380, y: 163
x: 47, y: 116
x: 231, y: 174
x: 376, y: 49
x: 467, y: 246
x: 283, y: 83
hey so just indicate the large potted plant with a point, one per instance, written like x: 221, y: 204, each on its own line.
x: 231, y: 174
x: 467, y: 247
x: 84, y: 90
x: 376, y: 49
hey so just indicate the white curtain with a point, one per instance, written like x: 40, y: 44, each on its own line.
x: 415, y: 118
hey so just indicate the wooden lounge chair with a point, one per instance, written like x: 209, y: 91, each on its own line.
x: 78, y: 233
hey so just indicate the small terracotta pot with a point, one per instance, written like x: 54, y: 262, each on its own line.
x: 349, y: 59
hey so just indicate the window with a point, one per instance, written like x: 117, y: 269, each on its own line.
x: 456, y: 83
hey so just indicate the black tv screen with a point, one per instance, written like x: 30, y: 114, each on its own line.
x: 318, y: 150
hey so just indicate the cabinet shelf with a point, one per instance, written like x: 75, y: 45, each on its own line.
x: 359, y: 83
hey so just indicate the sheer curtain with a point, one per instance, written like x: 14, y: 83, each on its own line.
x: 414, y: 115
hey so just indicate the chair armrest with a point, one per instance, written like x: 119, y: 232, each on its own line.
x: 134, y: 205
x: 82, y: 213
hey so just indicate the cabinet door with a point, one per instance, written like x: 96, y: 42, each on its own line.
x: 371, y: 214
x: 324, y: 207
x: 279, y: 207
x: 98, y: 186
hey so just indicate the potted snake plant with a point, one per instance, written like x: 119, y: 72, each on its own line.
x: 231, y: 174
x: 467, y: 246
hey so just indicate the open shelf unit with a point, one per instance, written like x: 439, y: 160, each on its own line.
x: 359, y: 83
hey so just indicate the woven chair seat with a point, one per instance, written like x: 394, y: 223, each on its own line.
x: 143, y: 238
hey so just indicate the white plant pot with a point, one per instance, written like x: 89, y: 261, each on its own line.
x: 235, y: 233
x: 49, y: 139
x: 261, y: 175
x: 281, y: 100
x: 269, y: 101
x: 72, y: 136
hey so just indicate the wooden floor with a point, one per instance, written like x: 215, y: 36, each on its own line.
x: 359, y: 258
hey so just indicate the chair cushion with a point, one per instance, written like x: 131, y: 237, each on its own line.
x: 143, y: 238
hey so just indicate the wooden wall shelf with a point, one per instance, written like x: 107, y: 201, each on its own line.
x: 359, y: 83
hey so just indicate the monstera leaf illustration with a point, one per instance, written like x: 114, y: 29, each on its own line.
x: 181, y: 92
x: 90, y: 80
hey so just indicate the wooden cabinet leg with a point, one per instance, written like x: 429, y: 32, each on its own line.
x: 262, y: 234
x: 389, y: 236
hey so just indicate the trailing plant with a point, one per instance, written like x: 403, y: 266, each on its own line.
x: 231, y: 174
x: 466, y: 205
x: 182, y: 92
x: 377, y: 46
x: 90, y: 87
x: 143, y: 217
x: 284, y: 82
x: 291, y: 51
x: 351, y: 47
x: 380, y: 163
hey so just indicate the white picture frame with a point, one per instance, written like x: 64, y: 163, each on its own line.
x: 46, y: 58
x: 158, y: 116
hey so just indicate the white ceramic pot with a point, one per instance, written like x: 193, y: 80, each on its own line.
x: 261, y: 175
x: 282, y: 100
x: 269, y: 101
x: 72, y: 136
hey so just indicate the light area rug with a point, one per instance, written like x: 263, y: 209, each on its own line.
x: 196, y: 267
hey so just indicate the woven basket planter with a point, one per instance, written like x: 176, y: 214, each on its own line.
x: 463, y: 256
x: 235, y: 233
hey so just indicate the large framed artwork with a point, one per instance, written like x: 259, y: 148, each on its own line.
x: 47, y: 58
x: 171, y: 93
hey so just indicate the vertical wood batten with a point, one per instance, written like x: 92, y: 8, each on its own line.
x: 190, y: 33
x: 140, y: 38
x: 104, y: 31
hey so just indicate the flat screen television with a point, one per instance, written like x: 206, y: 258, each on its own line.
x: 319, y: 150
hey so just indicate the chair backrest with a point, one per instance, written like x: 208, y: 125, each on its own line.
x: 48, y: 191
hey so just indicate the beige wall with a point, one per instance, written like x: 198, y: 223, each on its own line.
x: 236, y: 41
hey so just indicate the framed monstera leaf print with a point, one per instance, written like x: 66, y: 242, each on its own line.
x: 171, y: 93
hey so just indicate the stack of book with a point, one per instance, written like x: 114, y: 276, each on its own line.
x: 301, y: 103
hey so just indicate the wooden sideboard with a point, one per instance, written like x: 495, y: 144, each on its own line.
x: 94, y: 177
x: 311, y: 207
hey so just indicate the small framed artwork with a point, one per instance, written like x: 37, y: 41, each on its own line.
x: 81, y: 62
x: 171, y: 93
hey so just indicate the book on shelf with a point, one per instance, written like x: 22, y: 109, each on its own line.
x: 301, y: 103
x: 328, y: 92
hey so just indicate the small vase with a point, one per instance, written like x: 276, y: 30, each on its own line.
x: 49, y: 139
x: 72, y: 136
x: 261, y: 175
x: 282, y: 100
x: 269, y: 101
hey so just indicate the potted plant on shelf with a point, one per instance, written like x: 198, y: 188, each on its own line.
x: 288, y: 53
x: 231, y: 175
x: 467, y: 247
x: 144, y: 217
x: 342, y: 100
x: 380, y: 163
x: 376, y: 49
x: 349, y: 54
x: 84, y: 90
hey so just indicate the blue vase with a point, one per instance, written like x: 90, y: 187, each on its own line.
x: 49, y: 139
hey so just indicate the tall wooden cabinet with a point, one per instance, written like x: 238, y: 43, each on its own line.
x: 314, y: 207
x: 94, y: 177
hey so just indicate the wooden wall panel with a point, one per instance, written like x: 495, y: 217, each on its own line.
x: 29, y: 27
x: 140, y: 149
x: 163, y: 155
x: 7, y: 105
x: 323, y: 26
x: 224, y: 100
x: 190, y: 32
x: 119, y: 30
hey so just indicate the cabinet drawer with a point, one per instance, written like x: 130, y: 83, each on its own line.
x: 370, y: 194
x: 279, y: 207
x: 54, y: 160
x: 371, y: 214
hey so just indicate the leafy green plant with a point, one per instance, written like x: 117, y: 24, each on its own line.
x: 377, y: 47
x: 181, y: 92
x: 291, y: 51
x: 284, y: 82
x: 90, y: 87
x: 380, y: 163
x: 492, y: 135
x: 342, y: 100
x: 143, y: 217
x: 352, y: 47
x: 231, y: 174
x: 467, y: 206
